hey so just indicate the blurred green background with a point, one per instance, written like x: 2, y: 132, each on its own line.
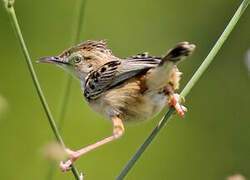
x: 211, y: 142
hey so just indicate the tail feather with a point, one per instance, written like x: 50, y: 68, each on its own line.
x: 167, y: 71
x: 179, y: 52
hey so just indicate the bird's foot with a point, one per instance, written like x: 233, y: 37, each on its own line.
x: 173, y: 101
x: 66, y: 166
x: 74, y: 155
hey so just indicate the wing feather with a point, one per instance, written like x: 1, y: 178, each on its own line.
x: 115, y: 72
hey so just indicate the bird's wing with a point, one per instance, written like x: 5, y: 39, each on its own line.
x: 98, y: 81
x: 115, y: 72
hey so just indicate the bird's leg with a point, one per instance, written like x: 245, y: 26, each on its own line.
x: 173, y: 101
x: 118, y: 130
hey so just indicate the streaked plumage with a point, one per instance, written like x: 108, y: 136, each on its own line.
x: 131, y: 89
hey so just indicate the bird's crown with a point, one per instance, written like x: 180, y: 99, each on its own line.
x: 87, y: 47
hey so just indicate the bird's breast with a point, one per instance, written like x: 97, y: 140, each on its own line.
x: 130, y: 101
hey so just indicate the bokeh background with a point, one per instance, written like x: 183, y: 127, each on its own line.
x: 211, y: 142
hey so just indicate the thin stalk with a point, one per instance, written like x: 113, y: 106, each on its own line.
x: 76, y: 38
x: 187, y: 88
x: 9, y: 4
x: 67, y: 87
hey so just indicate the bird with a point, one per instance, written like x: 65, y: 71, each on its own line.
x: 124, y: 90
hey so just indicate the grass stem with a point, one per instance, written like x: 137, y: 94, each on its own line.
x: 67, y: 87
x: 9, y: 4
x: 187, y: 88
x: 62, y: 111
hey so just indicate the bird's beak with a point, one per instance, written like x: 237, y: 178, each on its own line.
x: 52, y: 59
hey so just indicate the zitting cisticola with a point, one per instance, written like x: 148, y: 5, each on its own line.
x: 131, y: 89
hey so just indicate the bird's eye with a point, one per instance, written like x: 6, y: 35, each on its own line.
x: 76, y: 59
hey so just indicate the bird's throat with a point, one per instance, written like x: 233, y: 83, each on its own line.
x: 80, y: 76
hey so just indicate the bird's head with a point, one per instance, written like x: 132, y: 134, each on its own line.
x: 81, y: 59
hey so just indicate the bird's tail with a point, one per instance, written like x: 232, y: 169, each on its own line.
x: 167, y: 71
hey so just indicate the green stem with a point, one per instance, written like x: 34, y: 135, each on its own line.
x: 187, y: 88
x: 11, y: 11
x: 66, y: 94
x: 80, y: 17
x: 67, y: 87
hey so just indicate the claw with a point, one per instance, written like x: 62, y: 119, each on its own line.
x: 65, y: 166
x: 174, y: 102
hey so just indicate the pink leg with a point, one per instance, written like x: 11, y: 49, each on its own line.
x: 173, y: 101
x: 118, y: 131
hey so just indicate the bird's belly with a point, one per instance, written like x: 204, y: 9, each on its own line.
x: 152, y: 104
x: 139, y: 109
